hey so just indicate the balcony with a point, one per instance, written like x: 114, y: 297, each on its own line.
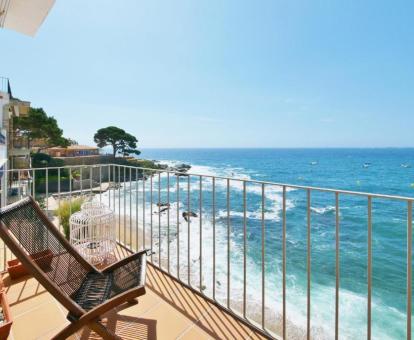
x: 167, y: 311
x: 224, y: 255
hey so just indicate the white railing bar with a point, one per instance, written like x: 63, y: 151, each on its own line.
x: 409, y: 265
x: 178, y: 226
x: 168, y: 222
x: 152, y: 235
x: 201, y: 232
x: 119, y: 202
x: 369, y: 268
x: 214, y: 235
x: 188, y: 230
x: 228, y: 242
x: 337, y: 266
x: 90, y: 180
x: 130, y: 208
x: 263, y: 256
x: 19, y: 184
x: 136, y: 210
x: 284, y: 262
x: 58, y: 215
x: 124, y: 191
x: 308, y: 266
x: 244, y: 251
x: 159, y: 220
x: 143, y: 210
x: 100, y: 184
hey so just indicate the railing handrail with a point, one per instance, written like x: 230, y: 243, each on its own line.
x: 279, y: 184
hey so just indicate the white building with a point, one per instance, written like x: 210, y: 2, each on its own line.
x: 5, y: 94
x: 25, y: 17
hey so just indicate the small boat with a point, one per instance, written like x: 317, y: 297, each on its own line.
x: 313, y: 163
x: 366, y: 165
x: 404, y: 165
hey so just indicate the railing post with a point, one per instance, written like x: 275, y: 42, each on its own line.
x: 178, y: 225
x: 284, y: 261
x: 143, y: 209
x: 244, y: 250
x: 369, y: 267
x: 228, y: 243
x: 201, y: 232
x: 337, y: 269
x: 151, y: 203
x: 188, y: 231
x: 159, y: 220
x: 168, y: 222
x: 214, y: 235
x: 136, y: 210
x: 263, y: 257
x: 308, y: 266
x: 409, y: 264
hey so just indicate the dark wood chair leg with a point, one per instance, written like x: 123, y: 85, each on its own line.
x: 132, y: 301
x: 104, y: 332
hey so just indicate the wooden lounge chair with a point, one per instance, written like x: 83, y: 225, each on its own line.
x: 86, y: 292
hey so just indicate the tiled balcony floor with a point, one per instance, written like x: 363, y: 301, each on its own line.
x: 167, y: 311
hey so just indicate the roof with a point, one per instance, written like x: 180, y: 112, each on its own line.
x: 74, y: 147
x: 24, y: 16
x: 82, y: 147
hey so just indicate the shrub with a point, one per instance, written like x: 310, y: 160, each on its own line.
x: 66, y: 208
x: 42, y: 160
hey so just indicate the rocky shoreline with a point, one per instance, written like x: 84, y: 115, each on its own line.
x: 179, y: 169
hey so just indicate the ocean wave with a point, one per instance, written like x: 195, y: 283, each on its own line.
x: 323, y: 210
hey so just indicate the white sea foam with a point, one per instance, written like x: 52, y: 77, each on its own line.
x: 323, y: 210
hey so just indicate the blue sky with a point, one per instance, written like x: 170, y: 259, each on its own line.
x: 214, y: 73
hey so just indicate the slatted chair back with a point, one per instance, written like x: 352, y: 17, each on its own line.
x: 43, y: 250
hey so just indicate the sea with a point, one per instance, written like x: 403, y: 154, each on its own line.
x: 220, y: 226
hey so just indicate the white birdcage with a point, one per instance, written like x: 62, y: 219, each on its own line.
x: 92, y: 232
x: 94, y: 208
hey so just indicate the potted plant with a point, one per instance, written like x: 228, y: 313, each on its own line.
x: 16, y: 269
x: 5, y: 316
x: 64, y: 211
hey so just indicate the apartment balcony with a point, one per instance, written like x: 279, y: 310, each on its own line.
x: 168, y: 310
x: 224, y: 263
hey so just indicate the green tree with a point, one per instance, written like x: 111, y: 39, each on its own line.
x: 121, y: 141
x: 42, y: 160
x: 37, y: 124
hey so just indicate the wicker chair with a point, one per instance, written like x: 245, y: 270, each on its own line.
x: 86, y: 292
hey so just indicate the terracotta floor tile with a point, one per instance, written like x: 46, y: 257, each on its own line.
x: 221, y: 325
x: 38, y: 322
x: 21, y: 305
x: 194, y: 333
x: 169, y: 324
x: 145, y: 303
x: 27, y: 285
x: 183, y: 299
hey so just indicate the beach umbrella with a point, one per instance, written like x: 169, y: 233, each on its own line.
x: 24, y: 16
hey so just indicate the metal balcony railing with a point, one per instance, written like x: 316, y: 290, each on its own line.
x: 228, y: 239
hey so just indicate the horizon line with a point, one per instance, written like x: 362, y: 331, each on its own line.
x: 279, y: 147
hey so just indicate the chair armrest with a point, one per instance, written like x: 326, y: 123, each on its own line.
x: 126, y: 260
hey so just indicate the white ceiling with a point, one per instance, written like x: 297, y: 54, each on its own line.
x: 24, y: 16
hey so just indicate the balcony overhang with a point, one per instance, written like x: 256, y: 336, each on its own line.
x: 24, y: 16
